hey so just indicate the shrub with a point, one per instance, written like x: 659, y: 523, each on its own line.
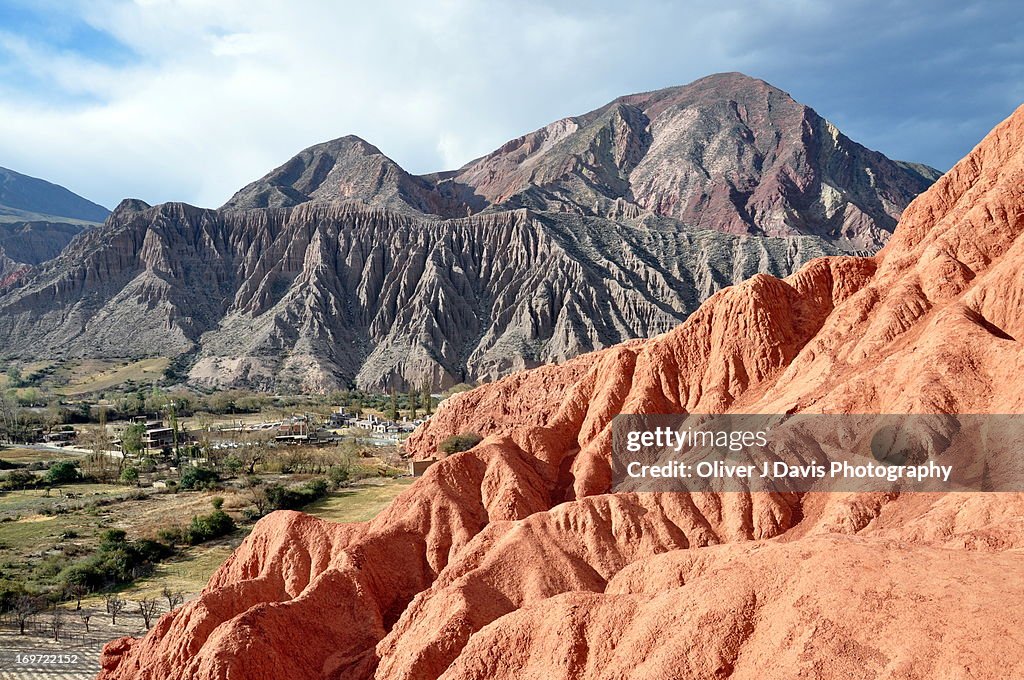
x: 280, y: 497
x: 233, y: 464
x: 19, y: 479
x: 198, y: 478
x: 205, y: 527
x: 130, y: 475
x: 63, y: 472
x: 459, y: 442
x: 117, y: 561
x: 339, y: 475
x: 170, y: 535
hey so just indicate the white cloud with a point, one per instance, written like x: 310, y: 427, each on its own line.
x: 224, y: 90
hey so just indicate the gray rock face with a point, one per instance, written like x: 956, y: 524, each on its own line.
x: 339, y: 267
x: 319, y: 295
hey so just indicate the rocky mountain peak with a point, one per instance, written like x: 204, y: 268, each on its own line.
x: 727, y: 152
x: 340, y: 267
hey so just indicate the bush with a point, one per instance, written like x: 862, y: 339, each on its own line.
x: 130, y: 475
x: 459, y: 442
x: 117, y: 561
x: 63, y: 472
x: 233, y: 464
x: 205, y: 527
x: 19, y: 479
x: 198, y: 478
x: 339, y: 475
x: 292, y: 498
x: 169, y: 535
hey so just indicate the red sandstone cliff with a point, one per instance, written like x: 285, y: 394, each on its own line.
x: 510, y: 561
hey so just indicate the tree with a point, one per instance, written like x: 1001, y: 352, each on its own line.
x: 412, y: 404
x: 172, y: 419
x: 148, y: 607
x: 115, y: 605
x: 173, y: 597
x: 131, y: 438
x: 12, y: 418
x: 14, y: 378
x: 57, y: 622
x: 393, y: 406
x: 428, y: 399
x: 258, y: 495
x: 255, y: 451
x: 63, y: 472
x: 26, y: 607
x: 85, y: 616
x: 76, y: 591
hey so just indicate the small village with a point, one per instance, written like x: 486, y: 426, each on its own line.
x: 113, y: 503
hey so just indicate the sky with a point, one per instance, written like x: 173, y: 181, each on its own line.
x: 189, y: 100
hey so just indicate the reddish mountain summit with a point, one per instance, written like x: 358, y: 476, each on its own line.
x: 511, y: 560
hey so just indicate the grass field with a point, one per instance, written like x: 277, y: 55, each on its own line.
x: 359, y: 503
x: 92, y: 376
x: 187, y: 572
x: 76, y: 377
x: 192, y: 568
x: 33, y: 500
x: 16, y: 454
x: 27, y: 536
x: 39, y: 533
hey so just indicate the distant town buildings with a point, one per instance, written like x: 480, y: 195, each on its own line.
x: 63, y: 436
x: 157, y: 436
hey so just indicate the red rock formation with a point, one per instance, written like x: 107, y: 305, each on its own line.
x: 483, y: 570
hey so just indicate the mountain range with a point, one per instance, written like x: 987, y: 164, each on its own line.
x: 515, y: 560
x: 340, y: 267
x: 38, y: 220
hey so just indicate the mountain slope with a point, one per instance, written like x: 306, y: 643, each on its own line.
x: 512, y: 559
x: 27, y: 197
x: 341, y: 169
x: 38, y: 219
x: 728, y: 153
x: 319, y: 294
x: 340, y: 267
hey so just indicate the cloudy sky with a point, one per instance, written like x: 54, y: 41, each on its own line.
x: 190, y: 99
